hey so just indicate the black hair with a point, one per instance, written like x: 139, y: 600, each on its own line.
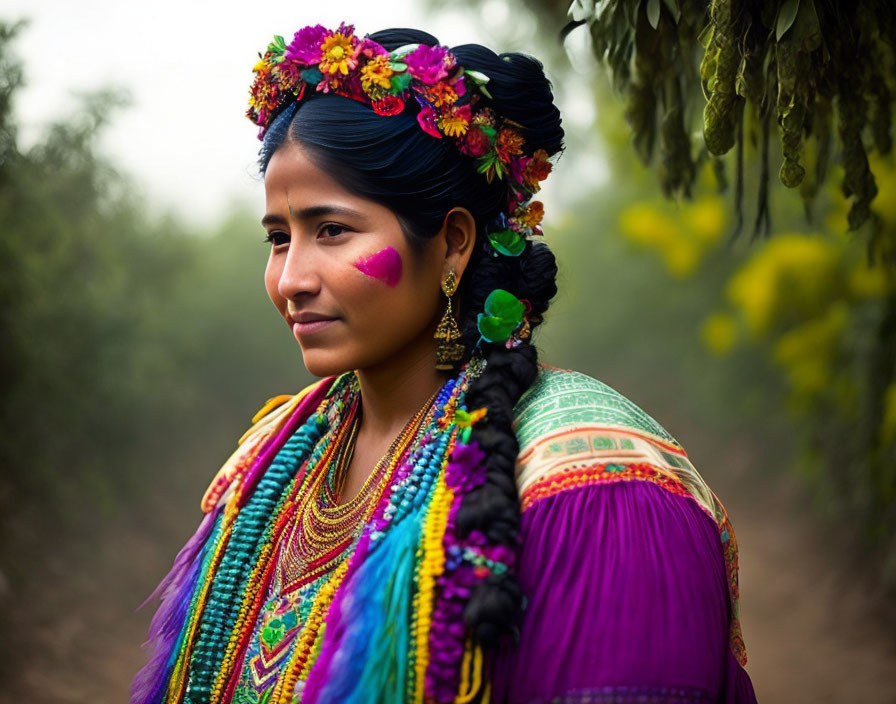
x: 394, y: 162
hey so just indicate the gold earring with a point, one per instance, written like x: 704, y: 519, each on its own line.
x: 449, y: 351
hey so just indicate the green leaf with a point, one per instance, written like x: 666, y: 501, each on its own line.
x: 400, y: 82
x: 478, y: 77
x: 786, y: 16
x: 503, y: 314
x: 403, y: 51
x: 399, y: 66
x: 312, y: 76
x: 277, y: 45
x: 653, y: 12
x: 507, y: 242
x: 505, y: 305
x: 486, y: 162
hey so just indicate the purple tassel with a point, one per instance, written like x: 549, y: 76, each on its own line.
x: 175, y: 591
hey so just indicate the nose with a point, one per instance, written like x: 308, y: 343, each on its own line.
x: 299, y: 275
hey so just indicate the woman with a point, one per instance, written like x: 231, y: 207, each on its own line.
x: 439, y: 519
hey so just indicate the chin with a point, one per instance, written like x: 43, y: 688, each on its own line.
x: 321, y: 363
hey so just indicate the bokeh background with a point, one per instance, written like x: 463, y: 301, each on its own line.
x: 137, y: 340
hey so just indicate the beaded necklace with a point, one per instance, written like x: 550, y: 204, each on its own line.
x: 385, y: 577
x: 324, y: 528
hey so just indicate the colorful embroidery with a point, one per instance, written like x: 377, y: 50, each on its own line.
x: 575, y: 431
x: 576, y: 477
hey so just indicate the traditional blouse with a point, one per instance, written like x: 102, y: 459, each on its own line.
x: 627, y: 560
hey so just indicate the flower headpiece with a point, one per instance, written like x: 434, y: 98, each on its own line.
x: 453, y: 104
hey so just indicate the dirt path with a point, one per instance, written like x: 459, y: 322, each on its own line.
x: 811, y: 630
x: 808, y: 628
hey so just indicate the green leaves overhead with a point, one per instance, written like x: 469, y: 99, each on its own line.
x: 806, y: 64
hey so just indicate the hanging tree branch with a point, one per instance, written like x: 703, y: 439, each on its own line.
x: 806, y: 63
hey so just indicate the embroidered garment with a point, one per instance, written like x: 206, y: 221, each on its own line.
x: 627, y: 560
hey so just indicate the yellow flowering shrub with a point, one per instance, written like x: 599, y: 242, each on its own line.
x: 791, y: 276
x: 681, y: 234
x: 719, y: 333
x: 808, y: 352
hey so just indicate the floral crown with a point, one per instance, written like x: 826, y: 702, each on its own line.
x: 452, y: 100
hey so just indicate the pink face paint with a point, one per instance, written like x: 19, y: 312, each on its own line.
x: 384, y: 265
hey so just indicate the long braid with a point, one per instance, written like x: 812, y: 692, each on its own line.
x: 493, y: 508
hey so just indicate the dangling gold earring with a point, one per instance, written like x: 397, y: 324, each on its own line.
x: 449, y: 351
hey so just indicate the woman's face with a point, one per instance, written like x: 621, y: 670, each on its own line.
x: 341, y: 273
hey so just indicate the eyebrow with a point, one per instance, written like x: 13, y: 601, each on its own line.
x: 310, y: 213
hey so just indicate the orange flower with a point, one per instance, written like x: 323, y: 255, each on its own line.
x: 532, y: 215
x: 376, y: 74
x: 508, y: 144
x: 338, y: 54
x: 537, y: 169
x: 440, y: 94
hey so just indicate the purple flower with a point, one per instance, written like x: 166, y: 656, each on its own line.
x: 370, y: 48
x: 428, y: 64
x: 466, y: 469
x: 305, y: 47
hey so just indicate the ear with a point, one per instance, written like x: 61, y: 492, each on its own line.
x: 459, y: 231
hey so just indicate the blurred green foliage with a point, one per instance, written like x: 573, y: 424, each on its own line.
x: 134, y: 351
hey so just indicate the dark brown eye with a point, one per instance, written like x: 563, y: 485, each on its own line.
x: 331, y: 230
x: 277, y: 238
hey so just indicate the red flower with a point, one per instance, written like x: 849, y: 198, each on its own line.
x: 389, y: 105
x: 475, y: 143
x: 428, y: 119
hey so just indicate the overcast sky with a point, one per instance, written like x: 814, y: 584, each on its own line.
x: 187, y: 66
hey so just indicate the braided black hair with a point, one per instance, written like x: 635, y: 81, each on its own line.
x: 393, y: 162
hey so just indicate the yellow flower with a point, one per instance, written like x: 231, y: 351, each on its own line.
x: 793, y: 275
x: 705, y: 219
x: 376, y: 73
x: 870, y: 280
x: 338, y: 54
x: 719, y: 333
x: 456, y: 121
x: 643, y: 225
x: 808, y: 352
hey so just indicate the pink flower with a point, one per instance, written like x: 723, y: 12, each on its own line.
x: 370, y: 49
x: 428, y: 120
x: 517, y: 169
x: 428, y: 64
x: 305, y: 46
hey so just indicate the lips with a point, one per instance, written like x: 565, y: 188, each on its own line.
x: 308, y: 317
x: 306, y: 323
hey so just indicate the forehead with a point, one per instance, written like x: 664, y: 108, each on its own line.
x: 292, y: 173
x: 297, y: 188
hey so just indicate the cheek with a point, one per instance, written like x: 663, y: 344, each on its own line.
x: 272, y: 273
x: 385, y: 266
